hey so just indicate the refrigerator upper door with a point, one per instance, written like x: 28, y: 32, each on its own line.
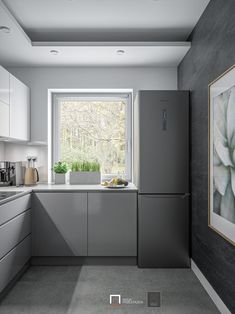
x: 163, y: 141
x: 163, y: 231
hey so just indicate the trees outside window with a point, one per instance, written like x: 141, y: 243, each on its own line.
x: 94, y: 130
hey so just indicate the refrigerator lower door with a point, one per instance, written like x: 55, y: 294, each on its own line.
x: 163, y: 231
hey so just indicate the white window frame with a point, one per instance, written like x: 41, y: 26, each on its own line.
x: 100, y: 95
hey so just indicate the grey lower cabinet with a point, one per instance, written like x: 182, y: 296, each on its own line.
x: 14, y: 261
x: 59, y: 224
x: 15, y: 207
x: 112, y: 224
x: 14, y: 231
x: 15, y: 238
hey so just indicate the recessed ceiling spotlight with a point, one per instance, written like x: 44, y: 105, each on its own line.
x: 5, y: 29
x: 54, y: 52
x: 120, y: 52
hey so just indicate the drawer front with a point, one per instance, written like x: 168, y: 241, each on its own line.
x: 14, y: 231
x: 13, y: 208
x: 14, y: 261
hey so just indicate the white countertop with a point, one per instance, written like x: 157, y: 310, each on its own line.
x: 61, y: 188
x: 67, y: 187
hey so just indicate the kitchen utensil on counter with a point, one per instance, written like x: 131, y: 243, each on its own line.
x: 31, y: 172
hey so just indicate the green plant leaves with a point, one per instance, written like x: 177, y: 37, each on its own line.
x: 85, y: 166
x: 60, y: 167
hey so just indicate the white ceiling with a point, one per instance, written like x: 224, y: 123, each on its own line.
x: 89, y: 32
x: 135, y: 20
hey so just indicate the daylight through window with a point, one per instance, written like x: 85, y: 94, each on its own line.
x: 94, y: 129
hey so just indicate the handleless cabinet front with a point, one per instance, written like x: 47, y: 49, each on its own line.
x: 19, y: 110
x: 4, y: 86
x: 112, y: 224
x: 14, y: 231
x: 4, y: 102
x: 4, y: 119
x: 59, y: 224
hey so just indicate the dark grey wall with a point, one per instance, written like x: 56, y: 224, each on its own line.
x: 212, y: 52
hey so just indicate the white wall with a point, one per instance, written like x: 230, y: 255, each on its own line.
x: 19, y: 152
x: 2, y: 151
x: 41, y: 79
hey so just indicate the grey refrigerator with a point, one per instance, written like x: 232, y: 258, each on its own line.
x: 161, y: 173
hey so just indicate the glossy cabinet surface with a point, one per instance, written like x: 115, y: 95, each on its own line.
x: 4, y: 119
x: 4, y: 86
x: 59, y: 224
x: 19, y: 110
x: 112, y: 224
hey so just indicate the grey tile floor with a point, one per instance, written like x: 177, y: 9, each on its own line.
x: 86, y: 290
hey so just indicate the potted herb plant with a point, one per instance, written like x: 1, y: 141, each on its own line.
x: 85, y: 172
x: 60, y: 169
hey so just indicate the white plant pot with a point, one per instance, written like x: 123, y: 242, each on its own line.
x: 88, y: 177
x: 60, y: 178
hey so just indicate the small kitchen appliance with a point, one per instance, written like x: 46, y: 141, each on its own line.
x: 11, y: 173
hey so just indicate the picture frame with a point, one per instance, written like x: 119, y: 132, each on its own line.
x: 221, y: 155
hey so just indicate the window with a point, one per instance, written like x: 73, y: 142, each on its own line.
x: 94, y: 127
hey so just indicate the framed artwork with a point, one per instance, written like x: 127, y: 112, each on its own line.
x: 222, y: 155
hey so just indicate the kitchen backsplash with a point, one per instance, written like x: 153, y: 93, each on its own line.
x: 2, y: 153
x: 18, y: 152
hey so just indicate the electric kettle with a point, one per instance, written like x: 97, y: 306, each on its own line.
x: 31, y: 176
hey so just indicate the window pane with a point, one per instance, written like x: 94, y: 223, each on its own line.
x: 94, y: 130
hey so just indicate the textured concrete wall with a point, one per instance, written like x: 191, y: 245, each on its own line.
x: 212, y: 52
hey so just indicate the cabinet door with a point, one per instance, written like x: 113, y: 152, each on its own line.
x: 4, y: 119
x: 19, y: 110
x: 163, y: 232
x: 4, y: 85
x: 59, y: 224
x: 112, y: 224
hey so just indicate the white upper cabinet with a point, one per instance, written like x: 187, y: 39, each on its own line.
x: 4, y: 86
x: 4, y: 102
x: 4, y: 119
x: 14, y: 107
x: 19, y: 110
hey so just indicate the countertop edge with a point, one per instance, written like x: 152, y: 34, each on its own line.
x: 14, y: 197
x: 53, y: 188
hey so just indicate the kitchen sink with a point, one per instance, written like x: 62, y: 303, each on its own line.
x: 4, y: 195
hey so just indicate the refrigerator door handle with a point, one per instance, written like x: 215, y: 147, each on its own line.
x: 168, y: 195
x: 164, y: 120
